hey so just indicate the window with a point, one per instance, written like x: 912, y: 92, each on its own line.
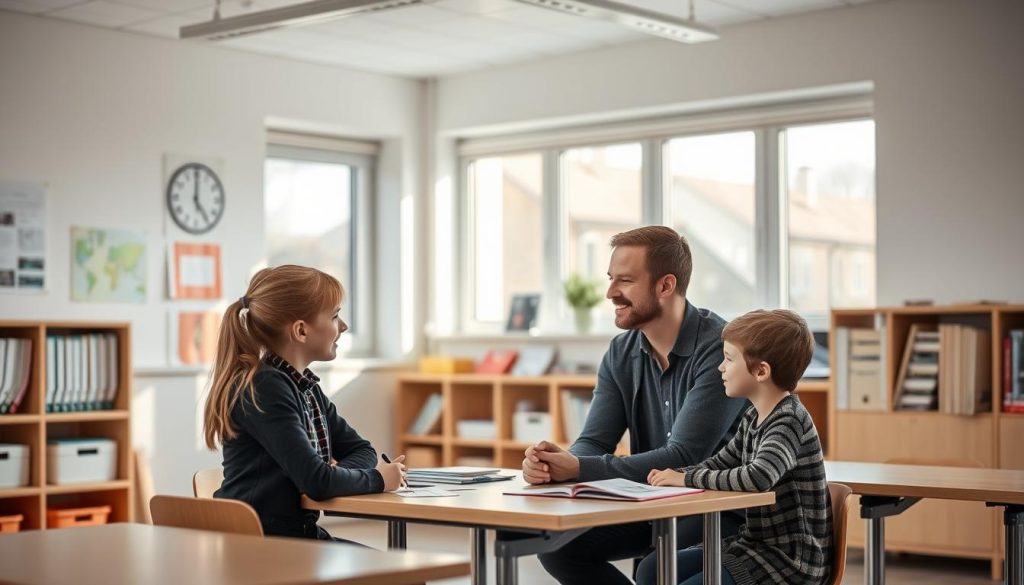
x: 777, y: 203
x: 316, y: 205
x: 505, y: 196
x: 602, y: 197
x: 713, y: 203
x: 829, y: 182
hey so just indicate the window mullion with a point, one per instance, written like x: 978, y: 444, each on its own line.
x: 769, y: 217
x: 553, y: 227
x: 652, y: 186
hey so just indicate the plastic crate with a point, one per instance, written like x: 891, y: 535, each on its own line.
x: 70, y: 517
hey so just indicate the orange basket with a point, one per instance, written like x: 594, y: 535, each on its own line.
x: 69, y: 517
x: 10, y: 523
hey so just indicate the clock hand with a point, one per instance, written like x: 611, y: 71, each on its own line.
x: 202, y: 211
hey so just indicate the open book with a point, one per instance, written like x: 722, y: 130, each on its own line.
x: 606, y: 489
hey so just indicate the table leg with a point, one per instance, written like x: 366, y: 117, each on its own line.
x: 875, y: 509
x: 874, y: 553
x: 507, y: 568
x: 478, y: 558
x: 665, y: 547
x: 712, y: 548
x: 1013, y: 523
x: 396, y: 534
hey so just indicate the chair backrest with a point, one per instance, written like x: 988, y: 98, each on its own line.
x: 840, y: 495
x: 217, y: 515
x: 207, y: 481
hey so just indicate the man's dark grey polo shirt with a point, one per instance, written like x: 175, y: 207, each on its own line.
x: 675, y: 418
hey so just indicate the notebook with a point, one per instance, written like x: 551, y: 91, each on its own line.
x: 606, y: 489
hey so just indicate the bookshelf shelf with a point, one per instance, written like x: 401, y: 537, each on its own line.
x: 87, y: 416
x: 77, y: 488
x: 33, y: 426
x: 482, y: 443
x: 422, y: 439
x: 19, y: 419
x: 989, y: 438
x: 20, y: 492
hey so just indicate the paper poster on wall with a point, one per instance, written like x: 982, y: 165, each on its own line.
x: 108, y: 265
x: 194, y: 271
x: 22, y: 237
x: 193, y: 336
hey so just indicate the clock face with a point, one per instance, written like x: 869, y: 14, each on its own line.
x: 195, y: 198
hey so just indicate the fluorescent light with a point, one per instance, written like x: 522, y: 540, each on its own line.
x: 296, y: 15
x: 645, y: 21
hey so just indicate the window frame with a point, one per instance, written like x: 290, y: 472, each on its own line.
x: 360, y: 341
x: 771, y: 204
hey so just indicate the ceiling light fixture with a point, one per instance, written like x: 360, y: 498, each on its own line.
x: 645, y: 21
x: 287, y: 16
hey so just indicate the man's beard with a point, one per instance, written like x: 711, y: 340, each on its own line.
x: 639, y: 314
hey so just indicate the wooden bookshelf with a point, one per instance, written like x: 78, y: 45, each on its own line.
x: 985, y: 440
x: 33, y: 426
x: 494, y: 397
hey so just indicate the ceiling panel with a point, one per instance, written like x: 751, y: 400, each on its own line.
x: 438, y: 38
x: 106, y: 14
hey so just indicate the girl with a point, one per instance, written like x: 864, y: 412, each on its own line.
x: 282, y: 437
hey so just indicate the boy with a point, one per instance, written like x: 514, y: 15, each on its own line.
x: 776, y: 448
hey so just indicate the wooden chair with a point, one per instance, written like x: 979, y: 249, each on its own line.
x: 205, y: 514
x: 207, y: 481
x: 840, y: 495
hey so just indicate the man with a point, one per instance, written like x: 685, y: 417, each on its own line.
x: 659, y: 380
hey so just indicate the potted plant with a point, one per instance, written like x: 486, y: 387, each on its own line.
x: 582, y: 295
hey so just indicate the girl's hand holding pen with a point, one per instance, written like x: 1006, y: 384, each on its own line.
x: 393, y: 472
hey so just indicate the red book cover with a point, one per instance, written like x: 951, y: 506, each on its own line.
x: 497, y: 361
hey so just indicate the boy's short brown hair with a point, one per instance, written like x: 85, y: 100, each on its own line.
x: 780, y: 338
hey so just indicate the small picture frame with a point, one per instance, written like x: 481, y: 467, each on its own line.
x: 522, y: 312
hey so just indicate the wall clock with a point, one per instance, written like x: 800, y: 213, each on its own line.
x: 195, y: 198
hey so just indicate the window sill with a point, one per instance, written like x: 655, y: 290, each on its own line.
x: 341, y: 365
x: 604, y: 337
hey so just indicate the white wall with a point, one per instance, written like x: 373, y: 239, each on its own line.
x: 949, y: 84
x: 91, y: 112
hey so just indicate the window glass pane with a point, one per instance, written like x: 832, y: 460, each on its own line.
x: 829, y: 177
x: 308, y: 211
x: 602, y: 197
x: 713, y: 205
x: 506, y: 215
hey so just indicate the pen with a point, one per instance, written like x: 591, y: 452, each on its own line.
x: 385, y: 457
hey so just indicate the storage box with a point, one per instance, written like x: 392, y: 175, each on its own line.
x: 476, y: 429
x: 531, y: 427
x: 10, y: 524
x: 71, y: 517
x: 13, y: 465
x: 80, y: 460
x: 437, y: 364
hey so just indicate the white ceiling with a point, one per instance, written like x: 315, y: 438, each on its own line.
x: 449, y: 36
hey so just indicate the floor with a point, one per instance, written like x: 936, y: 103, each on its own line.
x: 901, y: 569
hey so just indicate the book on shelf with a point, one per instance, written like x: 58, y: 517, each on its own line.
x: 15, y: 372
x: 429, y: 417
x: 606, y: 489
x: 575, y: 407
x: 860, y: 368
x: 81, y: 372
x: 919, y: 381
x: 965, y: 369
x: 497, y: 361
x: 1013, y: 371
x: 535, y: 360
